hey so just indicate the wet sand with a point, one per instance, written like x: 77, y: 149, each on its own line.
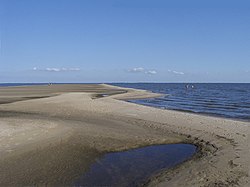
x: 50, y: 135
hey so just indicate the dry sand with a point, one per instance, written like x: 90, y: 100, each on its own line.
x: 50, y: 135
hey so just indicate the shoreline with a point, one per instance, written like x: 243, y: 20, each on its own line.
x: 180, y: 110
x: 196, y: 113
x: 110, y: 124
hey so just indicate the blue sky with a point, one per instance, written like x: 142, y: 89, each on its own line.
x: 125, y: 41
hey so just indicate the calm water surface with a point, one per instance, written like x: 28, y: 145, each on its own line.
x: 134, y: 167
x: 225, y: 100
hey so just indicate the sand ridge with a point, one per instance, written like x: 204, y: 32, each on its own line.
x: 70, y: 126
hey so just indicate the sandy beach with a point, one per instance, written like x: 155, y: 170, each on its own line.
x: 50, y: 135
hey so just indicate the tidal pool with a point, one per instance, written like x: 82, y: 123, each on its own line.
x: 135, y: 166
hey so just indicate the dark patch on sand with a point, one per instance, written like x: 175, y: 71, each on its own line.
x: 57, y: 164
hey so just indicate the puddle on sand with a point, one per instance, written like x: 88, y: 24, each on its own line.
x: 135, y: 166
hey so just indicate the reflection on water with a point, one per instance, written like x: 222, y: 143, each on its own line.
x: 133, y: 167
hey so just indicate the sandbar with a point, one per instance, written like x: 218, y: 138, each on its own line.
x: 50, y: 135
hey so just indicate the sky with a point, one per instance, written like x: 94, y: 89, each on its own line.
x: 124, y: 41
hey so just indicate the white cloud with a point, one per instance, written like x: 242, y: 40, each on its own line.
x: 74, y: 69
x: 151, y: 72
x: 176, y: 72
x: 142, y: 70
x: 137, y: 70
x: 57, y: 69
x: 53, y: 69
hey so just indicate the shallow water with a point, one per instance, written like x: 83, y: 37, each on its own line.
x: 231, y: 100
x: 134, y: 167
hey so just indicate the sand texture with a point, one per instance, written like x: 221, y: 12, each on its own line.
x: 50, y: 135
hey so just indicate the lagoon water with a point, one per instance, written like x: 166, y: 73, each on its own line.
x: 135, y: 166
x: 218, y: 99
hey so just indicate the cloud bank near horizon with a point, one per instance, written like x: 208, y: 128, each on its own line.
x: 56, y: 69
x: 176, y: 72
x: 142, y: 70
x: 152, y: 72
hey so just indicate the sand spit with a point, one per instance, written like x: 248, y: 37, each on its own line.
x: 51, y: 134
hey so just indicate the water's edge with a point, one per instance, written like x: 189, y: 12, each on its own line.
x: 228, y: 101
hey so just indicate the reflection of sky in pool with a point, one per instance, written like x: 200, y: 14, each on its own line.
x: 132, y: 167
